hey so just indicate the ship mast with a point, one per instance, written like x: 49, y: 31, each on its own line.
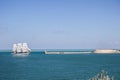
x: 25, y: 48
x: 19, y: 48
x: 14, y: 48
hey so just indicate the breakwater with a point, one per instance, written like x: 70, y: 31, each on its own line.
x: 68, y: 51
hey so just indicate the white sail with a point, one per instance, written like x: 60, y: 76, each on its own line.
x: 19, y: 48
x: 14, y: 48
x: 25, y: 48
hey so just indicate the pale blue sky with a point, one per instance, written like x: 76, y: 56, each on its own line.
x: 60, y: 24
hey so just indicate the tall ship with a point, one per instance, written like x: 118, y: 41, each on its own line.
x: 21, y: 48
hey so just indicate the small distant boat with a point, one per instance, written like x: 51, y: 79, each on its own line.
x: 102, y: 76
x: 21, y: 49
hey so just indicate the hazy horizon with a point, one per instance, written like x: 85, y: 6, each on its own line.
x: 60, y: 24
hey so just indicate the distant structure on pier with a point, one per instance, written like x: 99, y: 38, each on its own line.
x: 106, y: 51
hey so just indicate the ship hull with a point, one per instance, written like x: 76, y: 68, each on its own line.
x: 20, y: 54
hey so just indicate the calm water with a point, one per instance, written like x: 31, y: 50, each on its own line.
x: 38, y: 66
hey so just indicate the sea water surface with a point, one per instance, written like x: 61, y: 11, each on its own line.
x: 39, y: 66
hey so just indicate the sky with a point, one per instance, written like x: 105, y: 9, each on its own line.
x: 60, y: 24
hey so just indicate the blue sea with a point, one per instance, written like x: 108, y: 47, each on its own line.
x: 39, y: 66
